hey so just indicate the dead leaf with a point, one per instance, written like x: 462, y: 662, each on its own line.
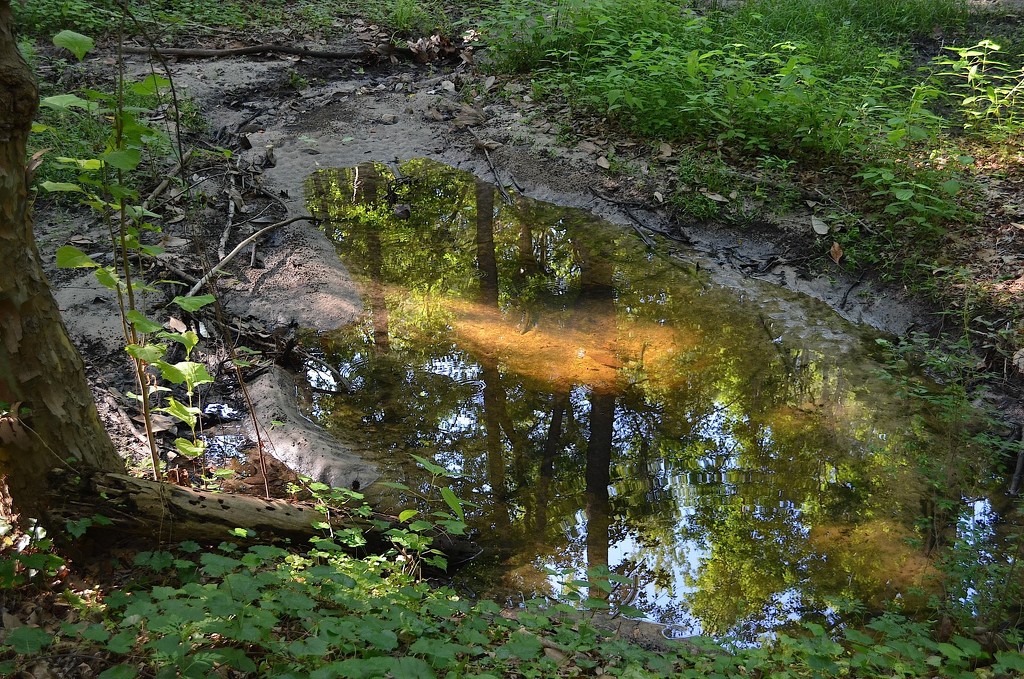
x: 659, y: 196
x: 488, y: 144
x: 836, y: 252
x: 447, y: 86
x: 175, y: 325
x: 1018, y: 360
x: 665, y: 150
x: 469, y: 116
x: 603, y: 162
x: 588, y: 147
x: 819, y: 226
x: 488, y: 83
x: 717, y: 197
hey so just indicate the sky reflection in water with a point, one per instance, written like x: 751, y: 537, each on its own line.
x: 734, y: 455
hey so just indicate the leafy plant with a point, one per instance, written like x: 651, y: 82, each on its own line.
x: 993, y: 91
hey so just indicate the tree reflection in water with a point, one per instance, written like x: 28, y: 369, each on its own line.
x: 603, y: 405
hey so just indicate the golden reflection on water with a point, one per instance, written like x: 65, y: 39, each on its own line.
x: 604, y: 405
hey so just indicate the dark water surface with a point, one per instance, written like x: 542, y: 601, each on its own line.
x: 732, y: 452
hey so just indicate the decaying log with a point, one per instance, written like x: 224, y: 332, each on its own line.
x: 143, y: 507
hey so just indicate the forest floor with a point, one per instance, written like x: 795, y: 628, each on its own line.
x: 284, y: 117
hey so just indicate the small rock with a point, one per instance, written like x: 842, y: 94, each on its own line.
x: 388, y: 119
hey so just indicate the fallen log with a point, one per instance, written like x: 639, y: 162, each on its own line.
x: 143, y: 507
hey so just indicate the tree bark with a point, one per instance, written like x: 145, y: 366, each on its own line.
x: 50, y: 418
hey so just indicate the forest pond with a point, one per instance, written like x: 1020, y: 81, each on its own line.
x: 733, y: 451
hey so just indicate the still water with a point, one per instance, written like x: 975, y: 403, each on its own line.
x: 733, y: 452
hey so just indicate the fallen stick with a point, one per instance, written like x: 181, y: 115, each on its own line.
x: 238, y: 248
x: 379, y: 51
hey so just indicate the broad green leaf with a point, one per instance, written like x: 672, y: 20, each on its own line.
x: 903, y: 194
x: 70, y: 257
x: 406, y: 515
x: 188, y: 339
x: 141, y: 323
x: 430, y: 466
x: 125, y: 159
x: 148, y: 353
x: 76, y: 43
x: 107, y: 278
x: 64, y: 102
x: 188, y: 448
x: 61, y: 187
x: 194, y: 303
x: 454, y: 502
x: 195, y: 373
x: 169, y: 372
x: 27, y: 640
x: 81, y: 163
x: 1008, y: 662
x: 521, y: 645
x: 151, y: 85
x: 120, y: 672
x: 952, y: 187
x: 186, y: 414
x: 152, y: 250
x: 39, y: 127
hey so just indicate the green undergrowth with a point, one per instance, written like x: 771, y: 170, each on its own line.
x: 861, y: 94
x: 201, y: 611
x: 171, y: 18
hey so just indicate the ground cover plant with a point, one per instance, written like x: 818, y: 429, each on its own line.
x: 806, y: 85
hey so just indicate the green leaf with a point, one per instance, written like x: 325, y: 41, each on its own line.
x: 64, y: 102
x: 194, y: 303
x: 1008, y: 662
x: 430, y: 466
x: 141, y: 323
x: 169, y: 372
x: 120, y: 672
x: 151, y: 85
x: 149, y: 353
x: 27, y: 640
x: 454, y: 502
x: 181, y: 411
x: 520, y: 645
x: 952, y: 187
x: 188, y: 339
x: 81, y: 163
x: 76, y: 43
x: 123, y: 642
x: 125, y: 159
x: 107, y: 278
x: 189, y: 449
x: 406, y: 515
x: 903, y: 194
x: 61, y: 187
x: 195, y: 373
x: 70, y: 257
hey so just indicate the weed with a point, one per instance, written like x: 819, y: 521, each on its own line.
x: 993, y: 91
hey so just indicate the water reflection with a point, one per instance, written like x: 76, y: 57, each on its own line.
x: 604, y: 405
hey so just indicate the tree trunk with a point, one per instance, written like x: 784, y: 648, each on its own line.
x: 49, y: 418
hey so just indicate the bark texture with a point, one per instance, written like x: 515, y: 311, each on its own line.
x: 50, y: 418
